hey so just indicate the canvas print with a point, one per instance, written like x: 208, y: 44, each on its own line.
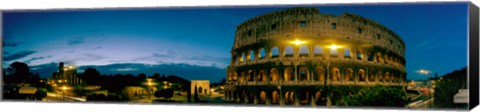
x: 409, y: 55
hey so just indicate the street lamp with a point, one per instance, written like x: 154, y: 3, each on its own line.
x: 297, y: 42
x: 64, y: 88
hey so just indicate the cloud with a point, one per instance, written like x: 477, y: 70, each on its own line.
x: 6, y: 53
x: 18, y: 55
x: 38, y: 58
x: 76, y: 41
x: 10, y: 44
x: 187, y: 71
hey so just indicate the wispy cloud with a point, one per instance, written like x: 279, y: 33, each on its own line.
x: 14, y: 44
x: 76, y: 41
x: 18, y: 55
x: 37, y: 58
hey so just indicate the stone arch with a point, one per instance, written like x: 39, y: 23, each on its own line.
x: 349, y: 74
x: 275, y: 97
x: 262, y: 76
x: 304, y: 74
x: 243, y: 58
x: 289, y: 51
x: 262, y: 54
x: 289, y: 74
x: 250, y: 76
x: 251, y: 55
x: 379, y: 57
x: 263, y: 97
x: 320, y: 74
x: 274, y: 74
x: 235, y: 76
x: 304, y: 97
x: 289, y: 97
x: 361, y: 75
x: 387, y: 77
x: 319, y: 98
x: 275, y: 52
x: 335, y: 74
x: 303, y: 51
x: 371, y: 76
x: 318, y: 51
x: 379, y: 76
x: 242, y: 76
x: 347, y: 53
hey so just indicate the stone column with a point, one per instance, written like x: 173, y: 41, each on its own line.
x: 296, y: 98
x: 312, y: 100
x: 281, y: 99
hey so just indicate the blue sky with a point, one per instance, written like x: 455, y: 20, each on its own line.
x: 136, y: 39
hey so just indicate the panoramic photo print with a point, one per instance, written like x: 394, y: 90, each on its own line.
x: 411, y: 56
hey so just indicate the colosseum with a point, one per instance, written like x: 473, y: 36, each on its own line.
x: 299, y: 56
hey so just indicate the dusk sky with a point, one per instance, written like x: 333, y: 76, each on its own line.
x: 198, y: 40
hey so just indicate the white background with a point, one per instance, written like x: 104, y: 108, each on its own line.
x: 90, y: 107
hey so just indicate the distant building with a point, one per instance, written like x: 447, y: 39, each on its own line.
x: 203, y: 87
x: 66, y: 75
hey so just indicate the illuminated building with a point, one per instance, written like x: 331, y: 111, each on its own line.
x: 300, y: 56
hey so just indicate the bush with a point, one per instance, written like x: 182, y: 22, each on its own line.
x: 377, y: 96
x: 165, y: 93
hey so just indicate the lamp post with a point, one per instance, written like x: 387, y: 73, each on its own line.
x: 64, y: 88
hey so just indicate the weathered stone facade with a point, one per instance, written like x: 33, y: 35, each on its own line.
x: 302, y: 57
x: 203, y: 87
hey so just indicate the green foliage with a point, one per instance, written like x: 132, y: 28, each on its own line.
x: 376, y: 96
x: 40, y: 94
x: 165, y: 93
x: 447, y: 87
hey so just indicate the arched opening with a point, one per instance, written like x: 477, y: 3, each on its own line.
x: 333, y: 53
x: 252, y: 55
x: 379, y: 58
x: 303, y: 51
x: 318, y: 51
x: 349, y: 75
x: 346, y: 53
x: 289, y: 97
x: 274, y: 74
x: 275, y: 97
x: 319, y: 98
x: 200, y: 89
x: 320, y: 74
x: 288, y: 75
x: 275, y: 52
x: 262, y: 53
x: 379, y: 76
x: 359, y: 55
x: 304, y: 97
x: 336, y: 96
x: 235, y: 76
x: 243, y: 57
x: 250, y: 75
x: 361, y: 75
x: 304, y: 75
x: 371, y: 76
x: 387, y: 77
x: 289, y: 51
x: 262, y: 76
x: 242, y: 77
x: 251, y: 97
x: 335, y: 75
x: 263, y: 97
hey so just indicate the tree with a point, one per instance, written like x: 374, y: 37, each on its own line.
x: 156, y: 76
x: 91, y: 76
x: 165, y: 93
x: 195, y: 95
x: 20, y: 72
x: 40, y: 94
x: 447, y: 87
x: 377, y: 96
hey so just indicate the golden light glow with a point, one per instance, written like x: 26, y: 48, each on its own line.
x: 334, y: 47
x: 423, y: 71
x: 70, y: 67
x: 149, y: 79
x: 298, y: 42
x: 64, y: 88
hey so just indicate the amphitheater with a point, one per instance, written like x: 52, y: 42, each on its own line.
x: 299, y: 56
